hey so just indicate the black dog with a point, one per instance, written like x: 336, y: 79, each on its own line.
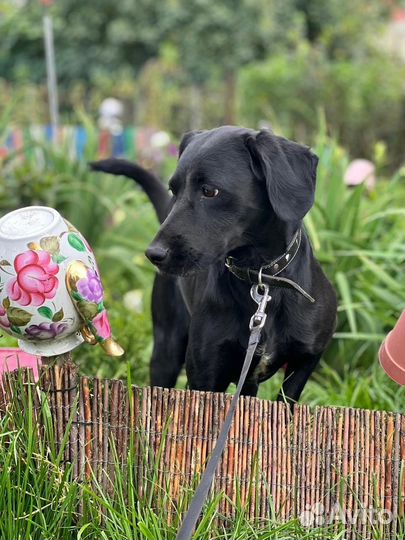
x: 238, y: 196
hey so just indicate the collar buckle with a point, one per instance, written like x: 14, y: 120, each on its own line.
x: 229, y: 262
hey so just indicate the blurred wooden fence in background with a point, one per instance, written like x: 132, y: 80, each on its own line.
x: 136, y: 143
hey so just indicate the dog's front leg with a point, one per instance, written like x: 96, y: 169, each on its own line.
x: 214, y: 356
x: 216, y: 376
x: 206, y: 369
x: 250, y: 388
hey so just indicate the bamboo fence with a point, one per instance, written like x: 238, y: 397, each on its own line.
x: 321, y: 464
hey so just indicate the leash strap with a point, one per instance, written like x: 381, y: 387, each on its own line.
x: 253, y: 276
x: 260, y: 295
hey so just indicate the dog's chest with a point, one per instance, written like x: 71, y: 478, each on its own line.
x: 262, y: 367
x: 266, y: 355
x: 266, y: 352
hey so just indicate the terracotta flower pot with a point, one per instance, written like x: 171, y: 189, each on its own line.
x: 392, y: 352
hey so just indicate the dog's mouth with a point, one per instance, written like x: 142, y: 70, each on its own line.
x: 185, y: 264
x: 180, y: 270
x: 179, y: 273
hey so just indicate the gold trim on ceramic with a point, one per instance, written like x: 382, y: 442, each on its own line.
x: 87, y: 335
x: 111, y: 347
x: 78, y: 270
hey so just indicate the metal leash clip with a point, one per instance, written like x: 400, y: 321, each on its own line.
x: 260, y: 294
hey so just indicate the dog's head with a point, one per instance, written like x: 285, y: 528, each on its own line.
x: 229, y: 182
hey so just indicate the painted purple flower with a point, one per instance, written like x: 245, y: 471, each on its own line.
x: 45, y: 330
x: 90, y: 287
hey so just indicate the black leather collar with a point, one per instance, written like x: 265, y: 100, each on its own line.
x: 269, y: 272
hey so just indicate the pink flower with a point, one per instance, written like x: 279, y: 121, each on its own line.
x: 4, y: 322
x: 35, y: 281
x: 102, y: 325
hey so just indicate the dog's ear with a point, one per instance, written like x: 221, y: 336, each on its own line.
x: 289, y: 170
x: 186, y: 139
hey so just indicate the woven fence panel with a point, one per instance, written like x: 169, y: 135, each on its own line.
x: 323, y: 464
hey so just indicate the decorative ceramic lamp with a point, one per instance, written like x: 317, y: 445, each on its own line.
x: 51, y: 296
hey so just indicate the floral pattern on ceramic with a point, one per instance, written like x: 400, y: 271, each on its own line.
x: 86, y: 291
x: 102, y: 325
x: 35, y: 279
x: 38, y: 252
x: 4, y: 322
x: 45, y: 330
x: 90, y: 287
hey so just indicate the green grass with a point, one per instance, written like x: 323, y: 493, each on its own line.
x: 357, y: 387
x: 358, y: 238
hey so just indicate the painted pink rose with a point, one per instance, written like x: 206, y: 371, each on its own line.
x: 4, y: 322
x: 102, y: 325
x: 36, y: 279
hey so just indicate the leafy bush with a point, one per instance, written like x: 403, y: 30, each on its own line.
x: 363, y: 103
x: 358, y: 237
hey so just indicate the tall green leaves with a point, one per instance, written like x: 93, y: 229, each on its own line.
x: 358, y: 237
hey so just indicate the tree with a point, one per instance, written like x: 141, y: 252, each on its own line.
x: 345, y: 28
x: 93, y: 39
x: 90, y: 37
x: 216, y: 38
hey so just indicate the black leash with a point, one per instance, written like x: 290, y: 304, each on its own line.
x: 260, y: 294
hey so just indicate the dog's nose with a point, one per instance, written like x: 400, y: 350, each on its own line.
x: 156, y: 254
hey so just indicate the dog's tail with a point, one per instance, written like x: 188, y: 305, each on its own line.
x: 153, y: 187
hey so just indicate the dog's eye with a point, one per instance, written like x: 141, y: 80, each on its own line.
x: 209, y: 191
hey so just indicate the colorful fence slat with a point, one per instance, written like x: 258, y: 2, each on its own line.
x: 131, y: 142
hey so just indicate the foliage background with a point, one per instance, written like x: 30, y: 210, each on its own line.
x: 178, y: 64
x: 360, y: 248
x: 319, y: 72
